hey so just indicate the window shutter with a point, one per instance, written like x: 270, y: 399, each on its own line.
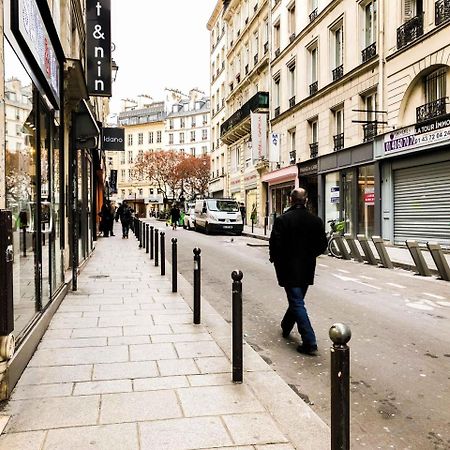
x: 408, y: 12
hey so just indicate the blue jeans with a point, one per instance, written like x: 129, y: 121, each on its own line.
x: 296, y: 313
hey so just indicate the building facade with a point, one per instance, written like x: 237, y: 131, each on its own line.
x: 52, y: 172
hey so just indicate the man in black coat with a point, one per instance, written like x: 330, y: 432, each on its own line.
x: 297, y: 239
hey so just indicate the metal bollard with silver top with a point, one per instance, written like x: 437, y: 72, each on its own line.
x: 237, y: 333
x: 340, y: 334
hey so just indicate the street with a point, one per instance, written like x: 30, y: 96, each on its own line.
x: 400, y: 352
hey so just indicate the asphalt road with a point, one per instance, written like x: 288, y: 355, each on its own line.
x: 400, y: 349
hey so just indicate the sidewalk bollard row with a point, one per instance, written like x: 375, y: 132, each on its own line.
x: 381, y: 249
x: 439, y: 260
x: 237, y: 333
x: 156, y: 247
x: 419, y: 260
x: 151, y: 242
x: 163, y: 253
x: 369, y: 256
x: 174, y: 265
x: 197, y: 290
x: 147, y: 233
x: 354, y: 251
x: 340, y: 334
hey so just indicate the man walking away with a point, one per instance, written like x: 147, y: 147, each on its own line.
x: 174, y: 216
x: 297, y: 238
x: 124, y: 214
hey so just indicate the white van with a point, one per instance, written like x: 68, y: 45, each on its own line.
x: 218, y: 214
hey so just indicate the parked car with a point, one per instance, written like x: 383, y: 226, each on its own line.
x: 218, y: 214
x: 189, y: 216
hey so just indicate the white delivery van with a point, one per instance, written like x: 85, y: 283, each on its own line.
x: 218, y: 214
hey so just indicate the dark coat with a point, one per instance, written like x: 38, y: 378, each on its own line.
x: 297, y: 238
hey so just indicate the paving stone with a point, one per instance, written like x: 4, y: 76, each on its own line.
x: 125, y: 321
x: 117, y: 307
x: 103, y: 437
x: 187, y: 328
x: 61, y: 374
x: 158, y: 383
x: 217, y: 400
x: 58, y: 334
x: 161, y: 319
x: 73, y: 356
x: 59, y: 323
x: 145, y: 307
x: 68, y: 315
x: 139, y: 406
x: 253, y: 429
x: 275, y: 447
x: 127, y: 340
x: 215, y: 364
x: 97, y: 332
x: 182, y: 337
x: 102, y: 387
x: 46, y: 413
x: 68, y: 343
x: 127, y: 370
x: 67, y: 307
x: 177, y: 367
x: 183, y: 434
x: 106, y: 314
x: 197, y: 349
x: 31, y: 440
x: 26, y: 392
x: 150, y: 352
x: 215, y: 379
x: 149, y: 330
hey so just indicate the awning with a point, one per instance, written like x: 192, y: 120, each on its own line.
x: 85, y: 127
x: 281, y: 175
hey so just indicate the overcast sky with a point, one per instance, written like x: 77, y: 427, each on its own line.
x: 160, y: 44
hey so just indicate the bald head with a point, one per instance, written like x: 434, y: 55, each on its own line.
x: 299, y: 196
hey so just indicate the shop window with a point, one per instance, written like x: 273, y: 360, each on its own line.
x: 366, y: 201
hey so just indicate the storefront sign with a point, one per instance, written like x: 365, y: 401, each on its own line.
x: 413, y: 137
x: 334, y: 197
x: 113, y: 139
x: 433, y: 125
x: 31, y: 33
x: 309, y: 168
x: 259, y: 136
x: 274, y: 147
x: 98, y: 47
x: 113, y: 182
x: 369, y: 196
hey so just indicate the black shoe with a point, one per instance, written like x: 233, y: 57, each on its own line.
x: 307, y: 349
x: 285, y: 333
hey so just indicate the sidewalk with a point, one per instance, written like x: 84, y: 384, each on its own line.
x: 399, y: 256
x: 123, y: 367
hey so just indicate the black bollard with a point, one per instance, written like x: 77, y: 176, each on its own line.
x: 237, y: 341
x: 24, y: 241
x: 143, y: 234
x: 151, y: 242
x: 156, y: 247
x: 197, y: 267
x: 252, y: 225
x: 163, y: 253
x: 141, y: 237
x: 340, y: 334
x: 147, y: 233
x: 174, y: 265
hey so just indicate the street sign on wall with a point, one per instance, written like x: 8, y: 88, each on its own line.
x: 98, y: 47
x: 113, y: 139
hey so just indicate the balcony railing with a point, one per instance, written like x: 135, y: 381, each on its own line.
x: 266, y: 47
x: 313, y: 88
x: 410, y: 31
x: 246, y: 69
x: 313, y: 14
x: 338, y: 72
x: 238, y: 78
x: 292, y: 157
x: 291, y: 37
x: 255, y: 59
x: 338, y: 140
x: 441, y: 11
x: 370, y: 131
x: 313, y: 149
x: 369, y: 52
x: 277, y: 111
x: 259, y: 101
x: 277, y: 53
x: 431, y: 110
x: 292, y: 101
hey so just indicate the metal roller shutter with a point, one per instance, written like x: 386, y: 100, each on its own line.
x: 422, y: 204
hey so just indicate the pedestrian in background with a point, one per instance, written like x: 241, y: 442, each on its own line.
x: 297, y: 239
x: 106, y: 218
x: 174, y: 216
x: 253, y: 214
x: 124, y: 213
x: 243, y: 212
x: 112, y: 210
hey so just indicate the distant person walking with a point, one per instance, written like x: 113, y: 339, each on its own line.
x: 106, y: 218
x: 243, y: 210
x: 297, y: 239
x: 125, y: 215
x: 175, y: 216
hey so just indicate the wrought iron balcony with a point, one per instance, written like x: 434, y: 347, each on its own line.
x: 277, y: 53
x: 313, y: 14
x: 291, y: 37
x: 313, y: 149
x: 277, y: 111
x: 338, y: 72
x: 246, y: 69
x: 338, y: 140
x: 313, y: 88
x: 259, y: 101
x: 266, y: 47
x: 370, y: 131
x: 431, y: 110
x: 292, y: 101
x: 292, y: 157
x: 238, y: 78
x: 369, y: 52
x: 410, y: 31
x: 255, y: 59
x: 441, y: 11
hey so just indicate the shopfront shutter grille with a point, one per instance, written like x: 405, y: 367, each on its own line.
x: 422, y: 204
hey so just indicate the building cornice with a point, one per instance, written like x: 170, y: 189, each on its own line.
x: 215, y: 15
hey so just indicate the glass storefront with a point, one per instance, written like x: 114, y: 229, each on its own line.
x: 332, y: 197
x: 366, y: 200
x: 281, y: 197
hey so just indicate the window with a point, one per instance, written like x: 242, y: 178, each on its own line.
x: 339, y: 128
x: 171, y: 121
x: 130, y: 139
x: 170, y: 138
x: 130, y: 157
x: 122, y: 158
x: 204, y: 150
x: 292, y: 152
x: 314, y: 53
x: 140, y: 138
x: 370, y: 128
x: 291, y: 21
x: 130, y: 174
x: 370, y: 23
x: 412, y: 8
x: 205, y: 119
x: 314, y: 128
x: 140, y: 155
x: 276, y: 94
x: 435, y: 88
x: 291, y: 83
x: 122, y: 174
x: 204, y: 135
x: 150, y: 137
x: 193, y: 151
x: 130, y: 191
x: 150, y: 191
x: 255, y: 47
x: 338, y: 35
x: 158, y: 137
x: 192, y: 136
x: 193, y: 124
x: 123, y: 191
x: 181, y: 138
x: 276, y: 38
x: 140, y: 191
x: 182, y: 122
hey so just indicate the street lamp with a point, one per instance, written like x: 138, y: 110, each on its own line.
x: 114, y: 69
